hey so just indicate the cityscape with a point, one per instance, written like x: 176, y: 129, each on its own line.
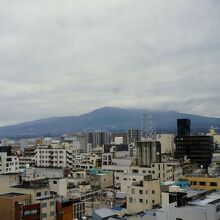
x: 110, y: 110
x: 135, y: 174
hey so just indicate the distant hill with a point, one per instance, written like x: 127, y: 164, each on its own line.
x: 106, y: 118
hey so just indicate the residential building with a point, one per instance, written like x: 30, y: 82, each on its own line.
x: 8, y: 164
x: 143, y: 195
x: 50, y: 157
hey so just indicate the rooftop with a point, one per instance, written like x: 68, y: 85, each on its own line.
x: 12, y: 194
x: 27, y: 186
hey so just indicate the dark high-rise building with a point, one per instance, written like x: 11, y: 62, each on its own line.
x: 198, y: 149
x: 183, y: 127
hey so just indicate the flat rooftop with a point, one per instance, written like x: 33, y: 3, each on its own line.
x: 12, y: 194
x: 31, y: 186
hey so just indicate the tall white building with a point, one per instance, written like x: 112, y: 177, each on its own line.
x: 8, y: 164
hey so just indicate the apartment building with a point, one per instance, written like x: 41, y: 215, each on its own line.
x: 8, y: 164
x: 143, y: 195
x: 50, y: 157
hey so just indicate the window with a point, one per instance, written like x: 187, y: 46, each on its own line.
x: 141, y: 200
x: 146, y: 201
x: 38, y: 194
x: 146, y: 191
x: 54, y: 182
x: 52, y: 213
x: 153, y: 191
x: 46, y: 193
x: 44, y: 215
x: 44, y: 205
x: 213, y: 184
x: 153, y: 201
x: 130, y: 199
x: 125, y: 179
x: 140, y: 191
x: 202, y: 183
x: 179, y: 219
x: 132, y: 191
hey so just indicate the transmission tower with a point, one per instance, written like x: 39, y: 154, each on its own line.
x: 148, y: 129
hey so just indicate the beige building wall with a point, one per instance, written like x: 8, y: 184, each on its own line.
x: 48, y: 209
x: 143, y: 195
x: 36, y: 193
x: 58, y: 186
x: 8, y: 180
x: 127, y: 179
x: 167, y: 143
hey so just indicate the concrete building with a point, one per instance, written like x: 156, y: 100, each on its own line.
x: 101, y: 180
x: 64, y: 209
x: 143, y: 195
x: 58, y: 186
x: 204, y: 206
x: 205, y: 183
x: 8, y: 201
x: 50, y: 157
x: 8, y: 164
x: 8, y: 180
x: 134, y: 135
x: 167, y: 143
x: 148, y: 152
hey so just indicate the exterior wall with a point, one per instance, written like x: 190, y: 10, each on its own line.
x: 106, y: 180
x: 79, y: 210
x: 102, y: 180
x: 7, y: 181
x: 204, y: 183
x: 29, y: 212
x: 8, y: 164
x: 59, y: 186
x: 167, y: 142
x: 126, y: 180
x: 143, y: 196
x: 64, y: 210
x: 48, y: 209
x: 50, y: 157
x: 36, y: 194
x: 8, y: 205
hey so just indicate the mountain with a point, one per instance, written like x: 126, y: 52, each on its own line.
x: 106, y: 118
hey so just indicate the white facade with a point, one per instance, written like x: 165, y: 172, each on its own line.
x: 50, y: 157
x: 8, y: 164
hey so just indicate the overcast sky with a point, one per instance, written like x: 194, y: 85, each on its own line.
x: 69, y: 57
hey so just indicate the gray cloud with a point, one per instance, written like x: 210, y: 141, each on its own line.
x: 69, y: 57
